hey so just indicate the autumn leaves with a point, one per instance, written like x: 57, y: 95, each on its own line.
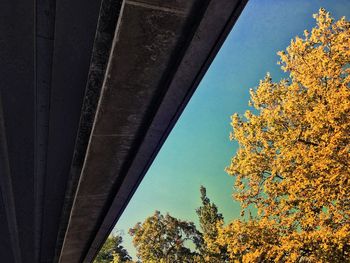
x: 292, y: 166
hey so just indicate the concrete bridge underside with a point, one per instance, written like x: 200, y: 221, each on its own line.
x: 90, y: 90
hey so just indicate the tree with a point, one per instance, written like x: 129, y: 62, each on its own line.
x: 253, y: 240
x: 209, y: 218
x: 165, y: 239
x: 293, y: 160
x: 113, y: 251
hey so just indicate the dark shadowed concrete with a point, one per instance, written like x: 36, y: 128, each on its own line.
x: 89, y: 92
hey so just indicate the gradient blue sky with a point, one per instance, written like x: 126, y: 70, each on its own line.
x: 198, y: 149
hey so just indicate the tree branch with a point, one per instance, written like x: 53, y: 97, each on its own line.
x: 307, y: 142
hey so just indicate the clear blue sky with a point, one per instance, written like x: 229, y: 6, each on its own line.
x: 198, y: 149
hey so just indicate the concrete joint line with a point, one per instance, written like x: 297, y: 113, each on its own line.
x: 164, y: 9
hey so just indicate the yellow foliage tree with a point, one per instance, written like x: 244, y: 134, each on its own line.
x: 293, y: 161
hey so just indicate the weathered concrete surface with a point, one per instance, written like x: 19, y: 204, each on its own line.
x: 151, y: 36
x: 169, y: 47
x: 89, y: 92
x: 107, y: 21
x: 75, y: 27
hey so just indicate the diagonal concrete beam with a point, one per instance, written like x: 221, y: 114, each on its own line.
x: 147, y: 44
x: 44, y: 46
x: 216, y: 23
x: 73, y: 36
x: 160, y: 52
x: 109, y: 13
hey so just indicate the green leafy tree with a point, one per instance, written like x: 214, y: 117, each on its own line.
x: 165, y: 239
x: 113, y: 251
x: 209, y: 219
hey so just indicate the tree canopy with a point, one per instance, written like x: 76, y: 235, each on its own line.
x: 163, y: 238
x: 113, y: 251
x: 209, y: 219
x: 293, y: 160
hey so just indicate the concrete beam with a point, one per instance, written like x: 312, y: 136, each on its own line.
x: 43, y: 52
x: 74, y: 34
x: 107, y: 21
x: 161, y: 50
